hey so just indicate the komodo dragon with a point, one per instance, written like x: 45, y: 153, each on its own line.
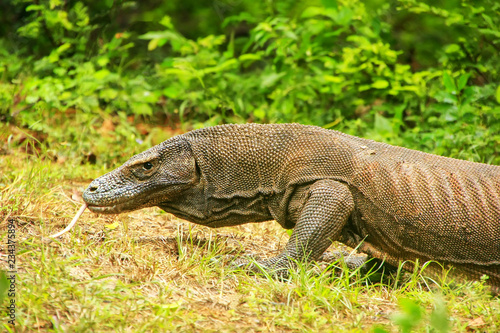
x: 393, y: 203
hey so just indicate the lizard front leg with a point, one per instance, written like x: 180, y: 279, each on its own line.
x: 323, y: 216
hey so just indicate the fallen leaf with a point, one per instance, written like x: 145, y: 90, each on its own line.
x: 477, y: 322
x: 107, y: 126
x: 112, y: 226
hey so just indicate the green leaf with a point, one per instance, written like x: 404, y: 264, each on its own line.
x: 172, y: 91
x: 153, y: 43
x: 462, y: 81
x: 380, y: 84
x: 63, y: 19
x: 498, y: 94
x: 31, y: 99
x: 312, y: 11
x: 333, y: 79
x: 109, y: 3
x: 489, y: 21
x: 141, y: 109
x: 222, y: 67
x: 113, y: 225
x: 490, y: 32
x: 249, y: 58
x: 160, y: 34
x: 166, y: 21
x: 449, y: 83
x: 55, y: 3
x: 452, y: 48
x: 330, y: 3
x: 410, y: 315
x: 108, y: 94
x: 259, y: 114
x: 63, y: 47
x: 33, y: 8
x: 101, y: 74
x: 439, y: 317
x: 102, y: 61
x: 382, y: 125
x: 59, y: 71
x: 270, y: 79
x: 344, y: 16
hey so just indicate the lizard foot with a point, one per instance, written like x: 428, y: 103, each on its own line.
x: 371, y: 269
x: 353, y: 261
x: 251, y: 263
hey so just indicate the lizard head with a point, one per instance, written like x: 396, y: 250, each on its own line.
x: 156, y: 175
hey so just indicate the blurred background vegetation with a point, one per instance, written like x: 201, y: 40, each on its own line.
x: 99, y: 80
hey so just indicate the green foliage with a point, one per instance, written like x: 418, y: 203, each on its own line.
x: 407, y: 72
x: 412, y: 315
x: 309, y: 69
x: 70, y: 76
x: 474, y: 41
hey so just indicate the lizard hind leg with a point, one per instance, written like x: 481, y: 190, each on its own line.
x: 324, y: 214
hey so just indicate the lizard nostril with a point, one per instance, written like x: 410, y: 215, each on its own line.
x: 93, y: 188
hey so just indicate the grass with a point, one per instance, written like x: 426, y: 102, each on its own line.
x: 149, y: 271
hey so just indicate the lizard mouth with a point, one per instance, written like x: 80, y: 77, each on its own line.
x: 105, y: 209
x: 110, y: 209
x: 117, y: 208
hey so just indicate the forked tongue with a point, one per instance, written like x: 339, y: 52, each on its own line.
x: 72, y: 224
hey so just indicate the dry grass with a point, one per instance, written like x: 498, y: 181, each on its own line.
x: 148, y: 271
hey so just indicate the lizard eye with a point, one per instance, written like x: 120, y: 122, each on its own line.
x: 147, y: 165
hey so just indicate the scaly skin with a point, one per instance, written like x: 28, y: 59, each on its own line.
x: 399, y: 204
